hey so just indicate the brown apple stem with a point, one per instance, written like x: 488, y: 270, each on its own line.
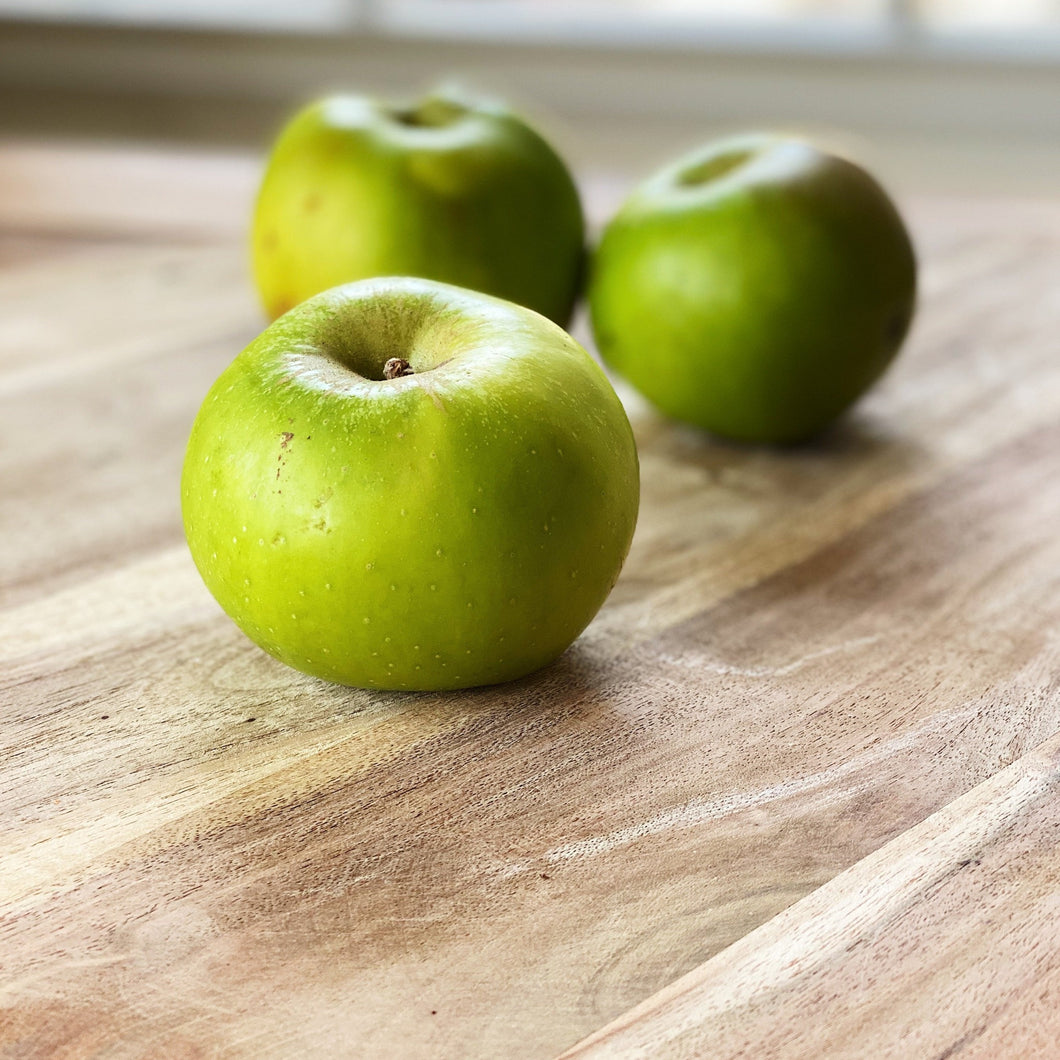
x: 396, y: 367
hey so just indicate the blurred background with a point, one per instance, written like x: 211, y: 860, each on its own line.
x: 960, y: 95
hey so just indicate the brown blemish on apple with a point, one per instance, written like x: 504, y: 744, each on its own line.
x: 269, y: 240
x: 285, y: 441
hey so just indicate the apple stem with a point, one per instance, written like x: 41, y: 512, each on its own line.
x: 396, y: 367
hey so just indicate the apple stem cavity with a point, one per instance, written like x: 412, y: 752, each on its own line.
x: 396, y: 367
x: 713, y: 168
x: 433, y: 113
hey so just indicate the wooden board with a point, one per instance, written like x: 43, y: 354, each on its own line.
x: 809, y: 653
x: 946, y: 942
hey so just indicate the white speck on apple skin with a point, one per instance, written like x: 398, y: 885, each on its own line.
x: 367, y: 621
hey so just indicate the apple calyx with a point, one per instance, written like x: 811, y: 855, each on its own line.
x: 396, y: 367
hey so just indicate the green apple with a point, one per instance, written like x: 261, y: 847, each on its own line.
x: 407, y: 485
x: 448, y: 188
x: 755, y: 289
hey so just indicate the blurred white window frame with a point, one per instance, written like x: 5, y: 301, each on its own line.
x: 940, y: 98
x: 980, y: 29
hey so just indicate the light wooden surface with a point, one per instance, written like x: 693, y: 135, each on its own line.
x: 809, y: 654
x: 946, y: 942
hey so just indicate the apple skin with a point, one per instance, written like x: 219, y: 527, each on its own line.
x: 450, y: 189
x: 755, y: 288
x: 454, y: 527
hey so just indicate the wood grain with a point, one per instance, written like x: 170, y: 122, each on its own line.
x: 946, y: 942
x: 95, y: 191
x: 809, y: 652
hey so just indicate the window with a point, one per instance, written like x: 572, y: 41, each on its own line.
x: 989, y: 15
x: 827, y: 24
